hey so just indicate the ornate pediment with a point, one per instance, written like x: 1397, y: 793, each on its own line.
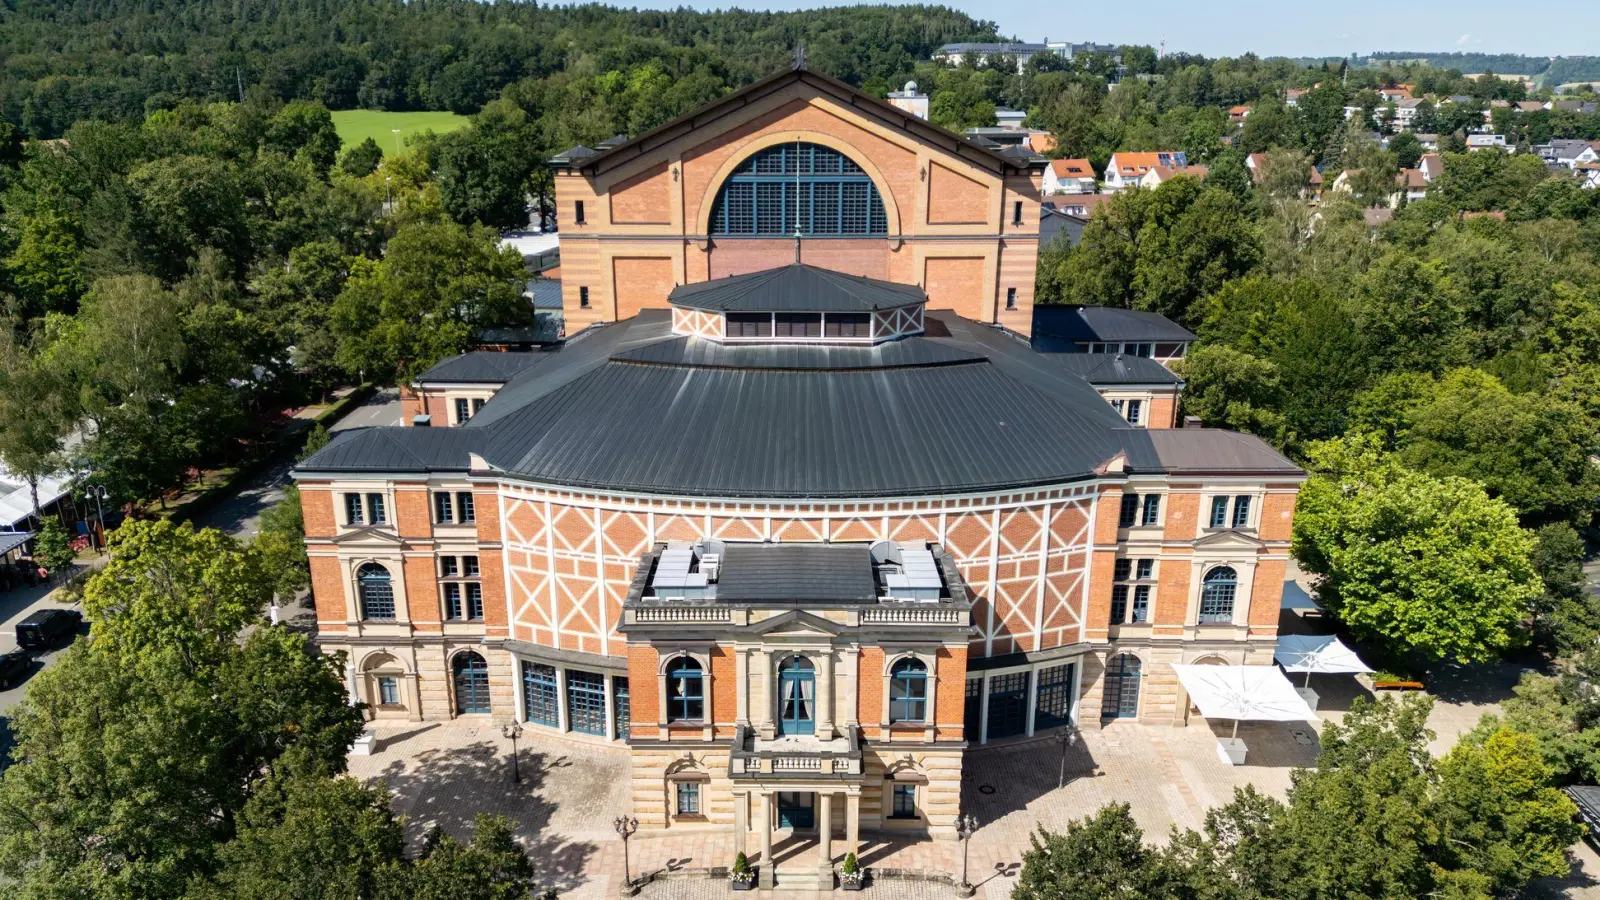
x: 1228, y: 540
x: 796, y: 623
x: 369, y: 535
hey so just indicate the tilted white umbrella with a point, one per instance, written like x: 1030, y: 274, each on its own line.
x: 1243, y: 693
x: 1322, y: 653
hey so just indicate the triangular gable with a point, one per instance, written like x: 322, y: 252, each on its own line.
x: 796, y: 622
x: 954, y: 144
x: 1226, y: 540
x: 368, y: 533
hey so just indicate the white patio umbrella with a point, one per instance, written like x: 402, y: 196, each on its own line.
x: 1243, y: 693
x: 1322, y: 653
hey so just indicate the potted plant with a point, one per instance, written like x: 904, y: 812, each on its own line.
x: 850, y: 874
x: 741, y: 877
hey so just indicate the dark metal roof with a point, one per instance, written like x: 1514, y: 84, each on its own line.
x: 1203, y: 451
x: 703, y: 353
x: 11, y: 540
x: 632, y: 407
x: 1105, y: 323
x: 798, y: 573
x: 397, y: 449
x: 1104, y: 369
x: 796, y: 288
x: 1587, y: 798
x: 480, y: 367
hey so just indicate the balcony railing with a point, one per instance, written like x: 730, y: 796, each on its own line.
x: 680, y: 614
x: 910, y: 615
x: 746, y: 761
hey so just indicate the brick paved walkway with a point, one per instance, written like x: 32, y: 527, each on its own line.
x: 446, y: 773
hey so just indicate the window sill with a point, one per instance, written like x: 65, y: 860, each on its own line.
x: 689, y: 817
x: 908, y: 726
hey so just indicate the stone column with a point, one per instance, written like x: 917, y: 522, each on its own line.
x: 825, y: 830
x: 741, y: 821
x: 825, y: 696
x: 765, y: 879
x: 852, y: 822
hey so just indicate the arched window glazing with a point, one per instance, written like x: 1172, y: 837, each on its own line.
x: 1216, y: 596
x: 908, y: 691
x: 686, y: 696
x: 375, y: 591
x: 798, y: 188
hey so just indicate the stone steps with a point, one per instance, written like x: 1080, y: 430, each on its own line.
x: 802, y: 878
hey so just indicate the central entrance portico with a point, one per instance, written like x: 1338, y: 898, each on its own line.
x: 798, y: 808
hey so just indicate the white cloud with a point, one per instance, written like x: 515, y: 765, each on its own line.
x: 1462, y: 41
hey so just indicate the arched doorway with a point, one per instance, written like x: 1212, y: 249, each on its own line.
x: 386, y: 687
x: 797, y: 691
x: 470, y: 674
x: 1120, y: 699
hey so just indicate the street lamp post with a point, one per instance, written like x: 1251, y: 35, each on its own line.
x: 513, y: 731
x: 396, y: 141
x: 98, y: 492
x: 1067, y: 738
x: 966, y: 826
x: 625, y: 827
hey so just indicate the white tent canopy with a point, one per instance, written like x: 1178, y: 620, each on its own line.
x: 1243, y: 693
x: 1322, y: 653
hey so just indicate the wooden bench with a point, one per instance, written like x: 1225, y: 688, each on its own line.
x: 1397, y: 685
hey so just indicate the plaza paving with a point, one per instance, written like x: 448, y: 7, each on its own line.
x: 445, y: 773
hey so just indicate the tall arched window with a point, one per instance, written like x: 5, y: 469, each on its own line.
x: 375, y: 591
x: 1216, y: 596
x: 908, y: 691
x: 686, y: 695
x: 471, y: 675
x: 799, y: 187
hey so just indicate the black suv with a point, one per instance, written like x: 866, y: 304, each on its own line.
x: 45, y: 628
x: 14, y: 668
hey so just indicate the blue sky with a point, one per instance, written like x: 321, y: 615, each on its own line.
x: 1231, y: 27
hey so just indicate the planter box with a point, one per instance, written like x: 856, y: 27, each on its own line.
x: 1231, y: 751
x: 364, y: 744
x: 850, y: 885
x: 748, y: 883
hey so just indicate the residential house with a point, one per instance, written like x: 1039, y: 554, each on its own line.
x: 1589, y: 173
x: 1021, y: 52
x: 1069, y: 176
x: 1394, y: 94
x: 1487, y: 142
x: 1126, y: 169
x: 1405, y: 113
x: 1081, y: 205
x: 1528, y: 106
x: 1413, y: 183
x: 1291, y: 97
x: 1431, y: 165
x: 1161, y: 174
x: 1057, y: 224
x: 1428, y: 140
x: 1238, y: 113
x: 1011, y: 119
x: 911, y: 100
x: 1000, y: 138
x: 1569, y: 152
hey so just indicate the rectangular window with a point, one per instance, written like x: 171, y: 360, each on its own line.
x: 586, y: 702
x: 463, y: 411
x: 1241, y: 512
x: 1219, y: 512
x: 847, y: 325
x: 1141, y: 604
x: 1119, y: 604
x: 1120, y: 569
x: 583, y: 298
x: 1016, y: 213
x: 376, y: 514
x: 447, y: 567
x: 1120, y: 406
x: 388, y: 692
x: 620, y: 705
x: 539, y: 701
x: 688, y: 798
x: 1152, y: 509
x: 474, y: 601
x: 469, y: 567
x: 352, y: 510
x: 466, y: 507
x: 443, y: 512
x: 905, y: 802
x: 452, y: 601
x: 798, y: 325
x: 1135, y: 411
x: 1146, y: 569
x: 1143, y: 350
x: 1011, y: 298
x: 1130, y: 511
x: 477, y: 404
x: 577, y: 214
x: 749, y: 325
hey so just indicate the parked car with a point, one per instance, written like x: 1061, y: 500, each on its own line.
x: 14, y: 667
x: 47, y: 627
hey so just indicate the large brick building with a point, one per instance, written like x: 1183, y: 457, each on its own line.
x: 799, y: 533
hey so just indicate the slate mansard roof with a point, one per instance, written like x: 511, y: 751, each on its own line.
x: 1096, y: 324
x: 632, y: 407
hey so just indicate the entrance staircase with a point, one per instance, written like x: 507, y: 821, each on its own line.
x: 799, y: 877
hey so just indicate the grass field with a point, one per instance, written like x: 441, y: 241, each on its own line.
x: 356, y: 125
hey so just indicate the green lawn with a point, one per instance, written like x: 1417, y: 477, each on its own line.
x: 356, y: 125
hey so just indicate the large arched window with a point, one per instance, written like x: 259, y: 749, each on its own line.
x: 375, y: 591
x: 799, y: 187
x: 686, y: 695
x: 908, y: 691
x: 1216, y: 596
x: 471, y: 675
